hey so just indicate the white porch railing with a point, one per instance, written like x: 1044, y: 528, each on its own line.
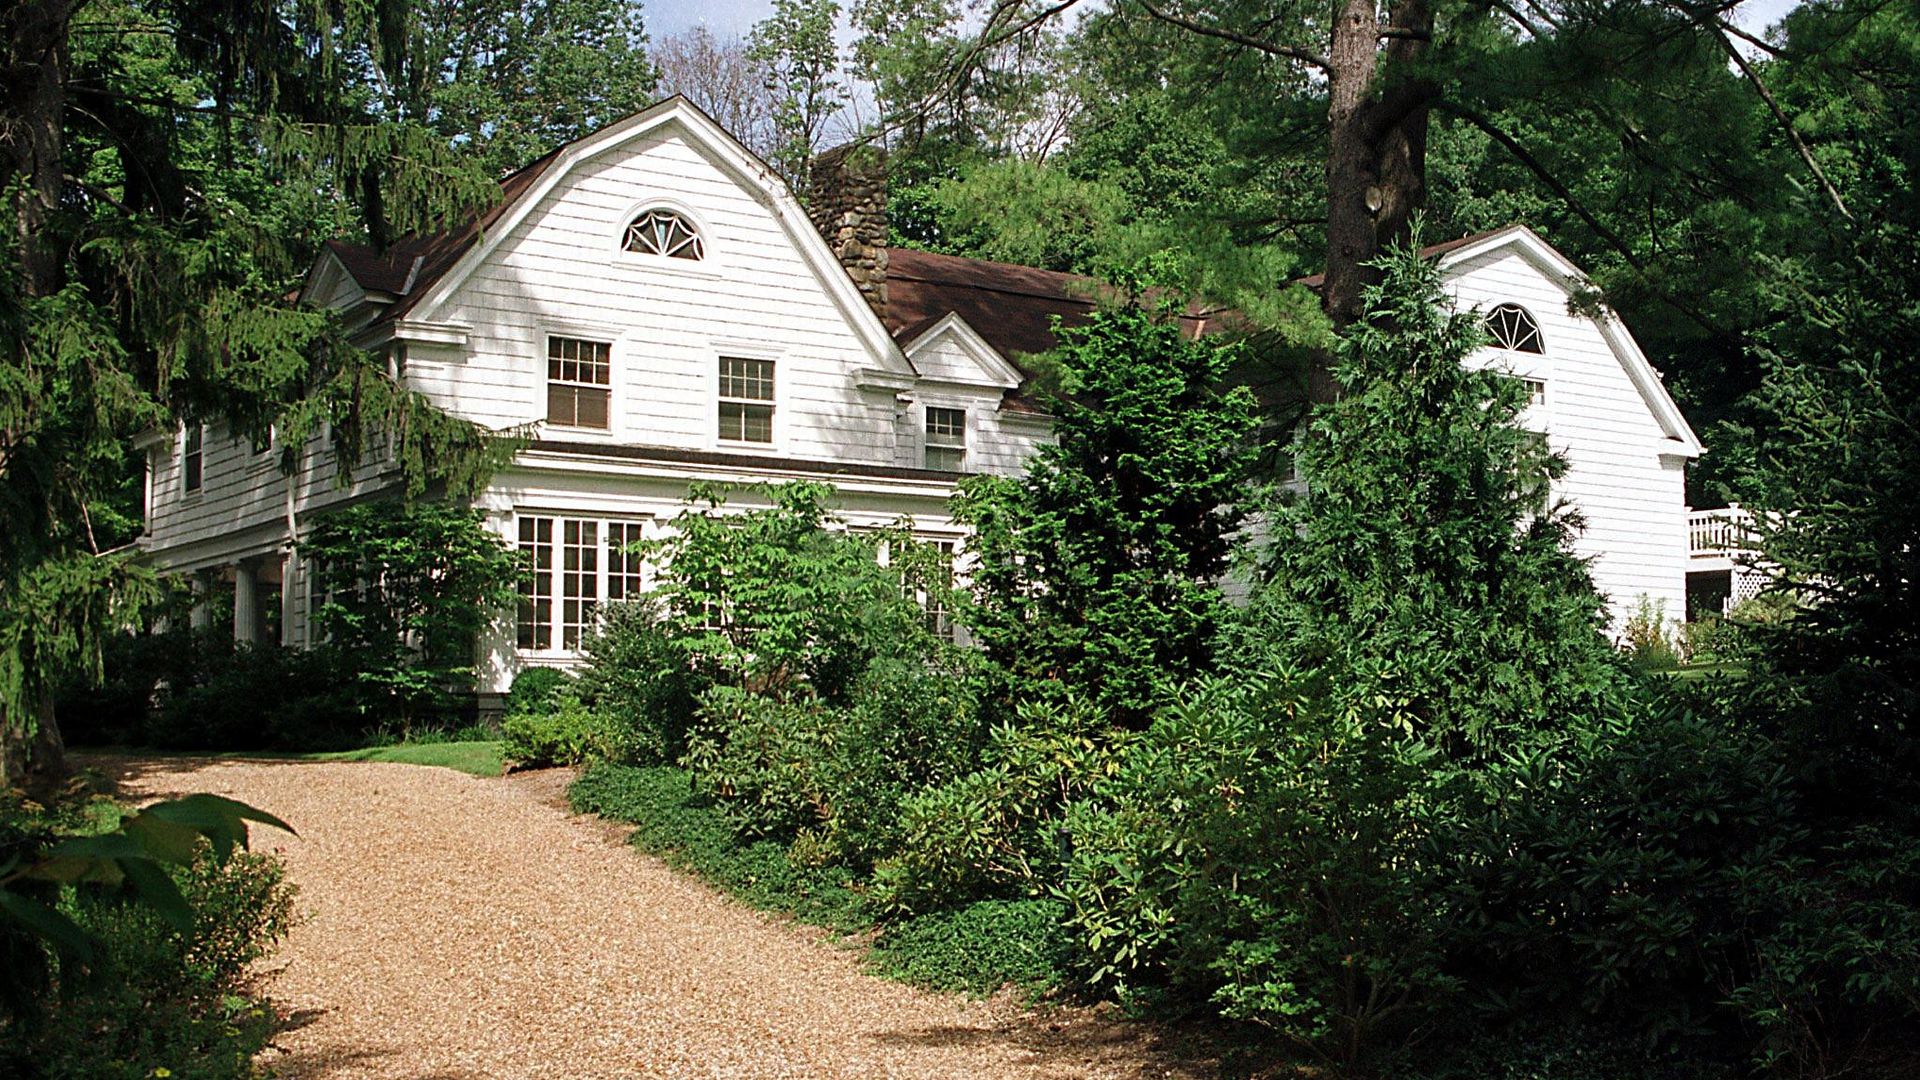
x: 1718, y: 533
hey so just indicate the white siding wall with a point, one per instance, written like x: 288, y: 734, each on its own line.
x: 1624, y: 475
x: 561, y: 271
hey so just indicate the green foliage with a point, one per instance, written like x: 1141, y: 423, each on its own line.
x: 979, y: 948
x: 563, y: 732
x: 687, y: 830
x: 774, y: 601
x: 1424, y: 564
x: 1262, y: 847
x: 234, y: 696
x: 537, y: 690
x: 641, y: 680
x: 154, y: 996
x: 997, y: 830
x: 1099, y: 568
x: 1648, y: 637
x: 796, y: 44
x: 404, y: 591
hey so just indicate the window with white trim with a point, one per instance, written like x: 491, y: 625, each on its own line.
x: 193, y: 457
x: 664, y: 232
x: 574, y: 566
x: 536, y: 588
x: 1512, y: 327
x: 746, y: 400
x: 579, y: 382
x: 946, y: 443
x: 1536, y: 392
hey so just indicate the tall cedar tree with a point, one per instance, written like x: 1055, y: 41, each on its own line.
x: 1100, y: 568
x: 1426, y: 558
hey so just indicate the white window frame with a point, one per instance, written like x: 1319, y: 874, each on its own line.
x: 589, y: 336
x: 709, y: 265
x: 927, y: 443
x: 775, y: 427
x: 556, y: 576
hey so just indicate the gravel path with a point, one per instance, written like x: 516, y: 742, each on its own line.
x: 455, y: 927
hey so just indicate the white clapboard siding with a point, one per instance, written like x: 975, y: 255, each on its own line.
x: 562, y: 271
x: 1625, y: 475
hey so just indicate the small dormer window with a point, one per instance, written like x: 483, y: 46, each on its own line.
x: 663, y: 232
x: 1512, y: 328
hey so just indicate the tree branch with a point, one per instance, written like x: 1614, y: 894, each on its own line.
x: 1780, y: 114
x: 1258, y: 44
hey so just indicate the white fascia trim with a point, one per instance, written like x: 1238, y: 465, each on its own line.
x: 883, y: 380
x: 731, y: 157
x: 1666, y: 412
x: 1000, y: 373
x: 683, y: 472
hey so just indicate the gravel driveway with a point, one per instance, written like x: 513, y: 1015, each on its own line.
x: 455, y: 927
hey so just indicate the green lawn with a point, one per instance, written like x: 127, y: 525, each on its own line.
x: 477, y: 758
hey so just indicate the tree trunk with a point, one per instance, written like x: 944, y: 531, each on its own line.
x: 1376, y: 144
x: 33, y: 87
x: 31, y: 114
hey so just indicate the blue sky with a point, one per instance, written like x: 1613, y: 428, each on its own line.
x: 728, y: 18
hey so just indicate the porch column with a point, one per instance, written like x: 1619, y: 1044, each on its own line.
x: 290, y: 583
x: 246, y: 603
x: 200, y: 616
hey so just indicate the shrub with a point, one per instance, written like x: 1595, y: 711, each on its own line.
x: 154, y: 997
x: 402, y: 592
x: 999, y: 830
x: 641, y: 679
x: 537, y: 690
x: 1100, y: 567
x: 980, y: 947
x: 1262, y: 850
x: 1647, y: 638
x: 260, y: 697
x: 567, y: 733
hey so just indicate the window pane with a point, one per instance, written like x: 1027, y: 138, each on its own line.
x: 536, y: 590
x: 579, y: 579
x: 945, y: 458
x: 591, y: 408
x: 947, y: 427
x: 749, y: 379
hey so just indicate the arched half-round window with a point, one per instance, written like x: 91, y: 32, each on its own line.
x: 663, y: 232
x: 1512, y: 327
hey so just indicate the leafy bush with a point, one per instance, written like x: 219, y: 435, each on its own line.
x: 120, y: 982
x: 999, y: 830
x: 537, y: 689
x: 980, y: 948
x: 1647, y: 638
x: 641, y: 680
x: 260, y: 697
x: 403, y: 591
x: 1263, y: 849
x: 567, y: 732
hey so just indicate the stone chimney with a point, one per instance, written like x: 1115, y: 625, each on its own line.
x: 847, y: 201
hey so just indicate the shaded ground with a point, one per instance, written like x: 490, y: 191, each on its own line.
x: 458, y: 927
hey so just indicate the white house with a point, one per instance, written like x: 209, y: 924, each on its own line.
x: 661, y: 309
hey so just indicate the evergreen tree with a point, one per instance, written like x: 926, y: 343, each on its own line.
x: 1425, y: 559
x: 1100, y: 569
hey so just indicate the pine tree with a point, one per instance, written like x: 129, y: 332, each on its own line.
x: 1425, y: 559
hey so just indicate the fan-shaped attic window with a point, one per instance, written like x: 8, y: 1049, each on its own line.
x: 663, y: 232
x: 1512, y: 327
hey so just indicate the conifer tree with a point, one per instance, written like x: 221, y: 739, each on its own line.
x: 1425, y: 558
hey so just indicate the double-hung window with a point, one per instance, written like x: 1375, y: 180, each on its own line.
x: 946, y: 438
x: 193, y: 457
x: 579, y: 382
x: 746, y: 400
x: 574, y: 565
